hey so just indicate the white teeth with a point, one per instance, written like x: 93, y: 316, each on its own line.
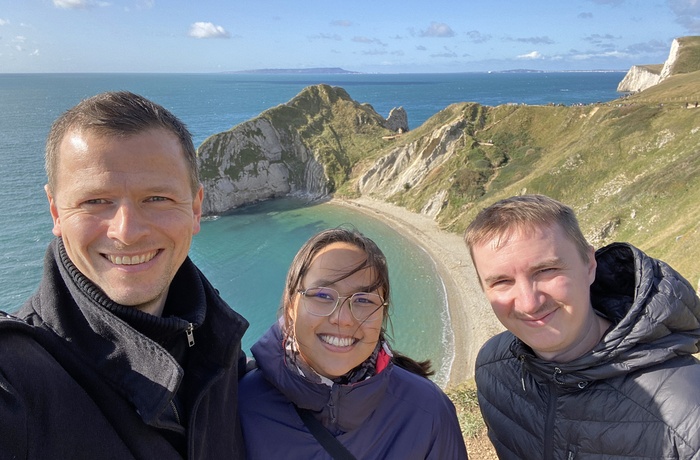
x: 131, y: 260
x: 337, y: 341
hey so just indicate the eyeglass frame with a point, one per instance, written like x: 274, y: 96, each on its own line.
x: 338, y: 303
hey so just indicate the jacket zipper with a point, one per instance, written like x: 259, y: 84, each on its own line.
x: 177, y: 414
x: 522, y: 372
x: 332, y: 408
x: 190, y: 334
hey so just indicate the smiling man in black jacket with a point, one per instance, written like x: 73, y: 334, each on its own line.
x: 126, y: 350
x: 598, y: 358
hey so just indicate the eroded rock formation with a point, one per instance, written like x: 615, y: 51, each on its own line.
x: 303, y: 147
x: 641, y: 77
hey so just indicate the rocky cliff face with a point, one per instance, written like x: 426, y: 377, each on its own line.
x: 304, y: 147
x: 397, y: 120
x: 253, y: 162
x: 410, y: 164
x: 670, y: 63
x: 641, y: 77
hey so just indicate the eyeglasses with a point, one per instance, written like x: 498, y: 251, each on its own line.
x: 323, y: 301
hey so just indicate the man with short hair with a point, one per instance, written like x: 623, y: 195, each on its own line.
x: 597, y: 360
x: 125, y: 350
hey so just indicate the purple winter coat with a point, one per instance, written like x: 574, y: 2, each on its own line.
x: 392, y: 415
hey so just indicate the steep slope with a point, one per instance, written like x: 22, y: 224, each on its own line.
x: 306, y: 146
x: 684, y: 57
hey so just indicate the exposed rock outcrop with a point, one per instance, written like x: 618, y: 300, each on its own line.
x: 302, y: 147
x: 640, y: 77
x: 253, y: 162
x: 397, y: 120
x: 670, y: 63
x: 409, y: 164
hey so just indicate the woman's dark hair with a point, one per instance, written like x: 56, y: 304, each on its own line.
x: 375, y: 260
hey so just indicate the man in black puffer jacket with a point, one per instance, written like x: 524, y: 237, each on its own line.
x: 598, y: 358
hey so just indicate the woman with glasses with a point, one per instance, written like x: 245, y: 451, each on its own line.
x: 327, y: 383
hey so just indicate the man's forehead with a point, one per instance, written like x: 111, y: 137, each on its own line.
x: 499, y: 239
x: 75, y: 139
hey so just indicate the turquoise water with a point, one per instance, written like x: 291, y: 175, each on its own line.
x: 246, y: 254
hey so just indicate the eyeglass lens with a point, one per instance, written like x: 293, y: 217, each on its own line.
x: 323, y: 301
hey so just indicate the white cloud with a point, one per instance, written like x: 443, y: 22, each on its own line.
x: 207, y: 30
x: 4, y: 22
x: 73, y: 4
x: 531, y: 55
x: 608, y: 54
x: 368, y: 40
x: 335, y: 37
x: 34, y: 53
x: 438, y: 29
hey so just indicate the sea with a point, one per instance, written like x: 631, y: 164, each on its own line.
x: 246, y: 253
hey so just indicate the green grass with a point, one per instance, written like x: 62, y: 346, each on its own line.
x: 463, y: 396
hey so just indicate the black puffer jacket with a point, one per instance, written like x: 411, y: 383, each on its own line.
x: 635, y: 395
x: 78, y: 382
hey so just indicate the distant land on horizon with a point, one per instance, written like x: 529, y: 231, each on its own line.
x: 341, y: 71
x: 313, y: 70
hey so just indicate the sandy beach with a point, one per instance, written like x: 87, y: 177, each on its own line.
x: 472, y: 320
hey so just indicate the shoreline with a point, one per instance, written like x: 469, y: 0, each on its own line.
x: 471, y: 319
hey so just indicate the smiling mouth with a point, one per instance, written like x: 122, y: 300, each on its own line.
x: 131, y: 260
x: 337, y: 341
x: 539, y: 319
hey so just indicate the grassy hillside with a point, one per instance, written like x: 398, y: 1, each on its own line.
x: 630, y: 168
x: 688, y: 55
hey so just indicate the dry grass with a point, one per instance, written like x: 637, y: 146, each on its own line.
x: 473, y: 428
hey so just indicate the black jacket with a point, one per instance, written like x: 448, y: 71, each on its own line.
x: 77, y: 381
x: 635, y: 395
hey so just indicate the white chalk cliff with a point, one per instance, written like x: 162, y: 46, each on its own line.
x: 296, y: 148
x: 256, y: 162
x: 641, y: 77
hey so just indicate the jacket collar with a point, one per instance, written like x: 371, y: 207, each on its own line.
x: 348, y: 403
x: 77, y: 311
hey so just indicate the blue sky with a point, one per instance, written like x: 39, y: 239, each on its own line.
x: 409, y: 36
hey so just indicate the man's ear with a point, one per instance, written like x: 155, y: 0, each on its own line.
x: 197, y: 209
x: 53, y: 209
x: 592, y: 264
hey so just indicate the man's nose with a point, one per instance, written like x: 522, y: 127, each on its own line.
x: 528, y: 297
x: 128, y: 224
